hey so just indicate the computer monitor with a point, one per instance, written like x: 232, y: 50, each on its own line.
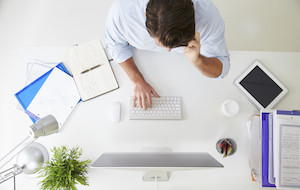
x: 157, y: 165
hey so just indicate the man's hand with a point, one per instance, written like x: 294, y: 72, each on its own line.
x: 142, y: 90
x: 142, y: 93
x: 210, y: 67
x: 192, y: 50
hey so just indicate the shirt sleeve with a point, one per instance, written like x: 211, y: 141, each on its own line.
x: 212, y: 40
x: 116, y: 43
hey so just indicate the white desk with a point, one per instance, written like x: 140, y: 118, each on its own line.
x: 202, y: 125
x: 63, y: 23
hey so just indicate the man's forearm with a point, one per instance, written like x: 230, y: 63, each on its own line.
x: 210, y: 67
x: 132, y: 71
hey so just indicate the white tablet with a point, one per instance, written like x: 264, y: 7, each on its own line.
x: 260, y: 86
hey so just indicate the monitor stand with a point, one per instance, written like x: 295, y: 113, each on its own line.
x: 156, y: 175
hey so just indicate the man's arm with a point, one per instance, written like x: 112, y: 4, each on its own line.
x: 120, y: 50
x: 210, y: 67
x: 142, y: 90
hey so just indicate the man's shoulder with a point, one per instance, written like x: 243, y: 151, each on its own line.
x: 206, y: 12
x: 202, y: 1
x: 203, y: 6
x: 129, y: 5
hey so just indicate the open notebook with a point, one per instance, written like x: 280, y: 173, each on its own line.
x: 91, y: 70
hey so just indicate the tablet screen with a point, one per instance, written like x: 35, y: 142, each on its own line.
x: 261, y: 86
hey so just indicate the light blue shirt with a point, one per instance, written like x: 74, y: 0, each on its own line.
x: 126, y: 29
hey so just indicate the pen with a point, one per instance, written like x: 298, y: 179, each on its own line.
x: 222, y: 144
x: 90, y: 69
x: 226, y: 149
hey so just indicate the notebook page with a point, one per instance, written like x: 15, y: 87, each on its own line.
x: 96, y: 82
x: 85, y: 56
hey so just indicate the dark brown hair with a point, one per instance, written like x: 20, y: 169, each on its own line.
x: 172, y: 22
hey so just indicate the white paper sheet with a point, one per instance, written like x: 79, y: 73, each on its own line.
x: 37, y: 69
x: 58, y: 96
x: 290, y: 155
x: 254, y: 156
x: 47, y: 55
x: 286, y: 150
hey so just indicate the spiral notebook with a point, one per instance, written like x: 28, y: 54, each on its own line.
x: 91, y: 69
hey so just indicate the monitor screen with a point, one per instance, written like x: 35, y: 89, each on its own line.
x: 156, y: 160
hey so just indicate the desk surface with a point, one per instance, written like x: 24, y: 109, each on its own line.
x: 63, y: 23
x: 202, y: 125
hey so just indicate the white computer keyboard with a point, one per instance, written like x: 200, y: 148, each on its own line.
x: 165, y: 107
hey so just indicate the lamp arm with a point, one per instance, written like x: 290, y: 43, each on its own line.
x: 16, y: 150
x: 9, y: 173
x: 43, y: 127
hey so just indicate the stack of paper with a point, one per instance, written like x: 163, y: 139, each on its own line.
x: 35, y: 69
x: 58, y: 96
x: 281, y: 149
x: 254, y: 156
x: 52, y: 93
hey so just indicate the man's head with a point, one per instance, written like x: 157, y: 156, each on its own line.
x: 171, y: 22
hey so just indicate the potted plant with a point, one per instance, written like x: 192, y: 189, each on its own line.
x: 64, y: 170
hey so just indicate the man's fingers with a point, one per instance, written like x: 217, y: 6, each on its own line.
x: 149, y: 100
x: 142, y: 94
x: 185, y: 50
x: 133, y: 103
x: 155, y: 93
x: 193, y: 43
x: 144, y: 103
x: 140, y: 102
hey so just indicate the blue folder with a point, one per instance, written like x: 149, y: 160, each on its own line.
x: 284, y: 112
x: 265, y: 149
x: 27, y: 94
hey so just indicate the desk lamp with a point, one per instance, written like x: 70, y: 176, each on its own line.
x: 31, y: 155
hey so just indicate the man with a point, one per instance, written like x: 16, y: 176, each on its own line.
x: 193, y: 27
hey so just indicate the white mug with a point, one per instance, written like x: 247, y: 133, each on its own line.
x: 230, y: 108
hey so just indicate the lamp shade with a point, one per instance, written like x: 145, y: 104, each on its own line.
x: 43, y: 127
x: 32, y: 158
